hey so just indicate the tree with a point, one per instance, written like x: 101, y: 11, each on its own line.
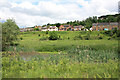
x: 88, y: 22
x: 48, y: 24
x: 36, y: 29
x: 10, y: 32
x: 111, y: 19
x: 53, y: 36
x: 58, y: 25
x: 94, y: 19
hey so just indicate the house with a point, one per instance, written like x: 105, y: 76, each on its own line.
x: 26, y: 29
x: 52, y: 28
x: 78, y: 28
x: 65, y: 28
x: 104, y: 26
x: 44, y: 28
x: 39, y: 27
x: 29, y: 29
x: 23, y: 30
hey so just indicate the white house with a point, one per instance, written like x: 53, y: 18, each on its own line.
x: 52, y: 28
x: 44, y: 28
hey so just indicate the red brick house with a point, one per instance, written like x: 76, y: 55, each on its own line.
x: 26, y: 29
x: 104, y: 26
x: 66, y: 28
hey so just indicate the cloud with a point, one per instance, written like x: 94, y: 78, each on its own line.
x: 35, y: 12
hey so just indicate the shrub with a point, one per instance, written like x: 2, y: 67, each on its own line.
x: 33, y: 32
x: 114, y: 36
x: 100, y: 37
x: 53, y: 36
x: 44, y: 38
x: 118, y: 33
x: 78, y: 37
x: 39, y: 35
x: 68, y: 37
x: 36, y: 29
x: 87, y: 37
x: 46, y: 32
x: 10, y: 31
x: 109, y: 38
x: 60, y: 38
x: 21, y: 38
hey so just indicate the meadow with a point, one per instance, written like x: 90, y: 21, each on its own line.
x: 75, y: 54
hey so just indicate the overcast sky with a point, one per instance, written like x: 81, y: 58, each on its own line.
x: 38, y: 12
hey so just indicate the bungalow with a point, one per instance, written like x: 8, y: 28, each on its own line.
x: 78, y: 28
x: 23, y: 30
x: 52, y: 28
x: 44, y: 28
x: 26, y: 29
x: 104, y: 26
x: 65, y: 28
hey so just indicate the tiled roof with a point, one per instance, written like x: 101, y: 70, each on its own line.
x: 66, y: 25
x: 114, y: 23
x: 78, y: 26
x: 44, y: 27
x: 98, y: 24
x: 103, y: 24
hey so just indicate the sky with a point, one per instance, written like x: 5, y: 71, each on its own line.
x: 28, y: 13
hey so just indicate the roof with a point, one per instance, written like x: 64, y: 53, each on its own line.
x: 95, y: 24
x: 44, y: 27
x: 114, y: 23
x: 103, y: 24
x: 98, y: 24
x: 78, y: 26
x: 52, y: 27
x: 66, y: 25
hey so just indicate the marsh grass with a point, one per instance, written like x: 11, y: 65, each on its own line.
x: 65, y: 58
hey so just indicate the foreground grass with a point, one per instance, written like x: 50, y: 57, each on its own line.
x: 63, y: 68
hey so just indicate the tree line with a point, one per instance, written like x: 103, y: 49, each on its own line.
x: 88, y: 22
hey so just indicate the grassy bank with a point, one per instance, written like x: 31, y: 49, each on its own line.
x: 68, y: 57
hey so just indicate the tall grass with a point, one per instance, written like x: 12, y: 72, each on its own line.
x: 57, y: 66
x: 65, y: 58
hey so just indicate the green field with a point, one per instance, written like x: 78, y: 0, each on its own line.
x: 35, y: 56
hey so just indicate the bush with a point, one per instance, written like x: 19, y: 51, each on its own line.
x: 21, y: 38
x: 10, y: 31
x: 78, y: 37
x: 39, y: 35
x: 100, y: 37
x: 53, y: 36
x: 33, y: 32
x: 60, y: 38
x: 118, y: 33
x: 44, y: 38
x: 46, y: 32
x: 87, y: 37
x: 114, y: 36
x: 36, y: 29
x: 109, y: 38
x: 68, y: 37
